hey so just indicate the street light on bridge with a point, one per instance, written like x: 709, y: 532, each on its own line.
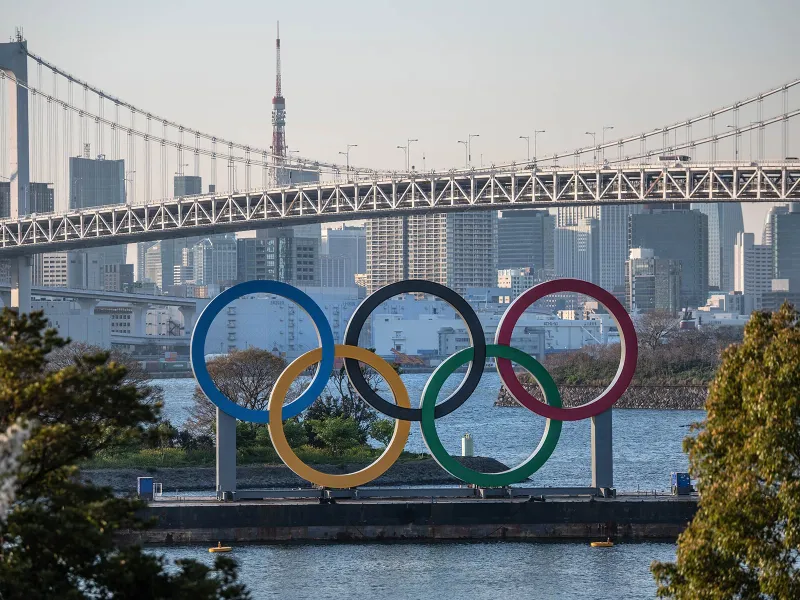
x: 466, y: 153
x: 594, y: 143
x: 527, y: 139
x: 735, y: 141
x: 408, y: 154
x: 347, y: 154
x: 603, y: 141
x: 405, y: 154
x: 469, y: 147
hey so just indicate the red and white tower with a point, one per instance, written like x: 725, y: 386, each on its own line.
x: 278, y: 118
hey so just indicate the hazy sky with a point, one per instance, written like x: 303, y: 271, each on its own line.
x: 375, y: 73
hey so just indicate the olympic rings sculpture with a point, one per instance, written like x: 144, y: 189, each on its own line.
x: 429, y: 410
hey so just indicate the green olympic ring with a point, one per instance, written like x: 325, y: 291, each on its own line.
x: 533, y: 463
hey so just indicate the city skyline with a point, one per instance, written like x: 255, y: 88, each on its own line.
x: 323, y: 128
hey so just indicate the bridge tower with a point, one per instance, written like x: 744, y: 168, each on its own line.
x: 278, y: 117
x: 14, y: 67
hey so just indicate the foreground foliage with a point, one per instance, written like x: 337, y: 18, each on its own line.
x: 744, y: 541
x: 58, y: 539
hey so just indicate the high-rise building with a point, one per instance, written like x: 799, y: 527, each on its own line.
x: 652, y: 284
x: 92, y: 183
x: 724, y: 223
x: 187, y: 185
x: 387, y: 251
x: 215, y: 261
x: 752, y: 266
x: 41, y: 198
x: 525, y: 239
x: 96, y: 182
x: 679, y: 235
x: 577, y: 250
x: 53, y: 269
x: 296, y: 253
x: 152, y: 265
x: 786, y: 246
x: 256, y: 258
x: 769, y: 222
x: 344, y: 253
x: 612, y: 243
x: 458, y: 250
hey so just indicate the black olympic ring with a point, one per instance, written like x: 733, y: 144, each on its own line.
x: 474, y: 329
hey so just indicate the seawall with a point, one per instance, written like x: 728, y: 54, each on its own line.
x: 629, y: 518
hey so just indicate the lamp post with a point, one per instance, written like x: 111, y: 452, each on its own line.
x: 735, y: 141
x: 603, y: 142
x: 347, y: 154
x: 469, y: 147
x: 405, y: 154
x: 466, y: 153
x: 527, y: 139
x: 408, y: 154
x: 536, y: 135
x: 594, y: 143
x: 130, y: 182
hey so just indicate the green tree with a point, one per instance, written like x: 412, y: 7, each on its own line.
x: 382, y: 431
x: 59, y: 537
x: 337, y: 433
x: 744, y: 541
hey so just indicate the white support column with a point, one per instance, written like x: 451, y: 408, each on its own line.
x: 602, y: 451
x: 87, y: 305
x: 14, y: 63
x: 226, y: 454
x: 21, y: 284
x: 188, y: 313
x: 139, y: 314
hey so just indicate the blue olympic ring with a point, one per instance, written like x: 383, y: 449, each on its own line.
x: 198, y: 343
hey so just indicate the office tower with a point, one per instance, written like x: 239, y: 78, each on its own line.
x: 786, y: 246
x: 652, y: 283
x: 93, y: 183
x: 256, y: 258
x: 96, y: 182
x: 525, y: 239
x: 387, y: 257
x: 573, y: 215
x: 577, y: 252
x: 40, y: 195
x: 296, y: 253
x: 347, y: 240
x: 53, y: 269
x: 752, y: 266
x: 724, y: 223
x: 458, y: 250
x: 141, y: 250
x: 344, y: 254
x: 679, y: 235
x: 152, y: 265
x: 172, y: 252
x: 187, y: 185
x: 613, y: 244
x: 215, y: 261
x: 769, y: 222
x: 612, y: 241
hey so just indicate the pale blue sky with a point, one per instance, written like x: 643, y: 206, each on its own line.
x: 376, y: 73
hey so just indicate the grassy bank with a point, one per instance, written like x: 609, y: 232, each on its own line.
x: 179, y: 457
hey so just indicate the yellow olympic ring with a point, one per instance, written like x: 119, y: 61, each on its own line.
x: 368, y: 473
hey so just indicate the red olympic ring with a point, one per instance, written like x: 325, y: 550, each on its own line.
x: 628, y: 356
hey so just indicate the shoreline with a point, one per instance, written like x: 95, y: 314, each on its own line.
x: 422, y: 472
x: 659, y: 397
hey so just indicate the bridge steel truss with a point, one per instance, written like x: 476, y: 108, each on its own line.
x: 242, y: 211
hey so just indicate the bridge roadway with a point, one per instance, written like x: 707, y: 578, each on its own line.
x: 107, y: 296
x: 426, y: 193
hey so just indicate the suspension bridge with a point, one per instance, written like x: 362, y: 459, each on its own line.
x: 49, y: 116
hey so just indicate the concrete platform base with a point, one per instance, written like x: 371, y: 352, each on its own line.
x: 632, y: 518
